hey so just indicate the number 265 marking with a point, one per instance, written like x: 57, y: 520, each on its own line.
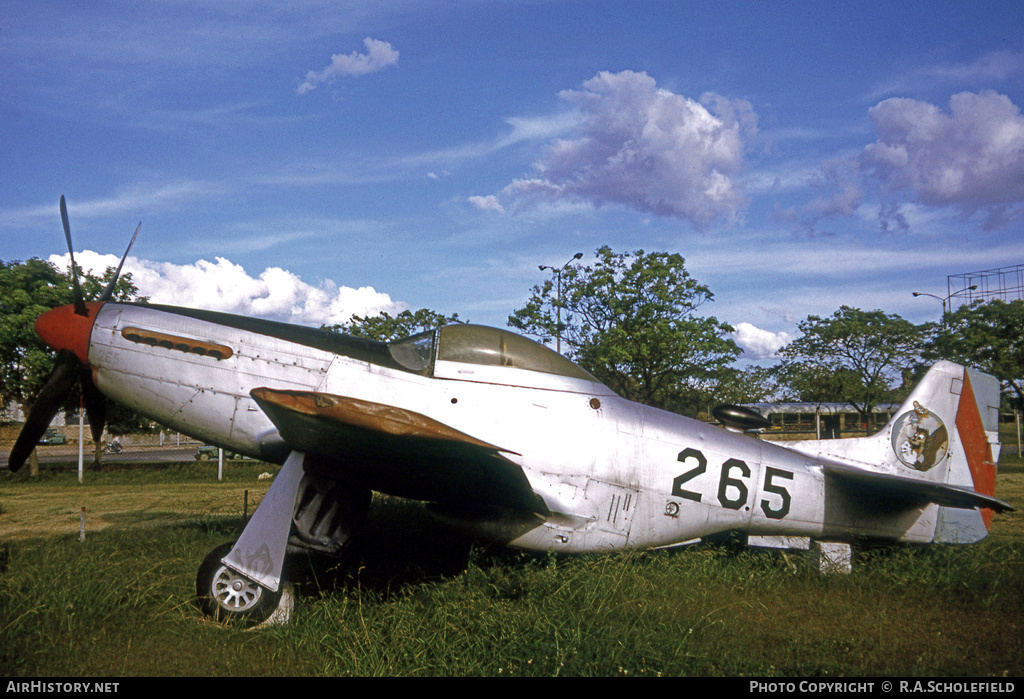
x: 732, y: 490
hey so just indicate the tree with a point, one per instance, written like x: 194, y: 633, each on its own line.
x: 631, y: 320
x: 988, y: 336
x: 753, y: 384
x: 812, y: 382
x: 385, y: 327
x: 26, y: 291
x: 855, y: 356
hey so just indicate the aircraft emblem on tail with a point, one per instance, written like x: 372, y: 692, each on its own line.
x: 919, y: 438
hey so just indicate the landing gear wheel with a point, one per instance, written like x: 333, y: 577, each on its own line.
x: 229, y: 597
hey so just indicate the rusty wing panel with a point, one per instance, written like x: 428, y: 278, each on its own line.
x: 398, y: 451
x: 365, y: 414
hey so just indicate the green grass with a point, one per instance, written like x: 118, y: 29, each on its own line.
x: 414, y: 598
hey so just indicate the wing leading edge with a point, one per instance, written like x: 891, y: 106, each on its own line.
x: 398, y: 451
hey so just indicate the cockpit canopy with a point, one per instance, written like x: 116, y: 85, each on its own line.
x: 483, y: 347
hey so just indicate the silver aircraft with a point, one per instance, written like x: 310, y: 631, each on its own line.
x: 504, y: 436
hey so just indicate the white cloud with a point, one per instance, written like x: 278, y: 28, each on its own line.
x: 523, y: 129
x: 276, y: 294
x: 488, y: 203
x: 539, y: 127
x: 757, y: 343
x: 379, y: 55
x: 970, y: 158
x: 127, y: 200
x: 648, y: 149
x: 994, y: 67
x: 837, y: 183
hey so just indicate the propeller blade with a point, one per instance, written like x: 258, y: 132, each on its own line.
x: 108, y: 292
x: 95, y: 405
x: 79, y: 299
x: 53, y: 395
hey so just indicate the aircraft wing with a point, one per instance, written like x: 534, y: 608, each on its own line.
x: 398, y: 451
x: 885, y: 489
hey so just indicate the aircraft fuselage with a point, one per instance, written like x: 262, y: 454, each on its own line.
x: 613, y: 473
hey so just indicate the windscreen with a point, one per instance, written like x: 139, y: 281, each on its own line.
x: 415, y: 352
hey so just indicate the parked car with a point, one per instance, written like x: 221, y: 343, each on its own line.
x: 209, y: 453
x: 52, y: 436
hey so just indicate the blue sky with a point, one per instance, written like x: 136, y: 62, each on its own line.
x: 307, y: 160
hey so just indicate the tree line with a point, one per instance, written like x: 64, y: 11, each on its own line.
x: 636, y: 322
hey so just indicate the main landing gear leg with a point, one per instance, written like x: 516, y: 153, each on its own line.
x: 241, y: 583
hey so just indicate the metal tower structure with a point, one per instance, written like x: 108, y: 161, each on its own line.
x: 1004, y: 283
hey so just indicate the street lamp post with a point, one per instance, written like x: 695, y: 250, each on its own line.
x: 946, y: 299
x: 558, y: 302
x: 943, y: 300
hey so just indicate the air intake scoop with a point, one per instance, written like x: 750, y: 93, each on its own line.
x: 740, y: 419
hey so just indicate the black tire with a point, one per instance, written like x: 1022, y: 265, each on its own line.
x: 230, y: 598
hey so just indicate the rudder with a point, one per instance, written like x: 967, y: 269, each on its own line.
x: 977, y: 425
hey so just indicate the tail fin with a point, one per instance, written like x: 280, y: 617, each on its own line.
x: 949, y: 427
x: 941, y: 447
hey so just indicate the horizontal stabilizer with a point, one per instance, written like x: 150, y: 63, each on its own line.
x: 398, y: 451
x: 900, y: 491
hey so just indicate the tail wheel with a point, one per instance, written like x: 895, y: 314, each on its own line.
x: 229, y: 597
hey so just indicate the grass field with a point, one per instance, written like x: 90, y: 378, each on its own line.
x: 415, y: 598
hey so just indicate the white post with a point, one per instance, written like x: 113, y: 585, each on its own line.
x: 81, y: 438
x: 220, y: 464
x: 1017, y: 413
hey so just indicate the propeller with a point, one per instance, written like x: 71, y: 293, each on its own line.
x: 79, y: 300
x: 68, y: 368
